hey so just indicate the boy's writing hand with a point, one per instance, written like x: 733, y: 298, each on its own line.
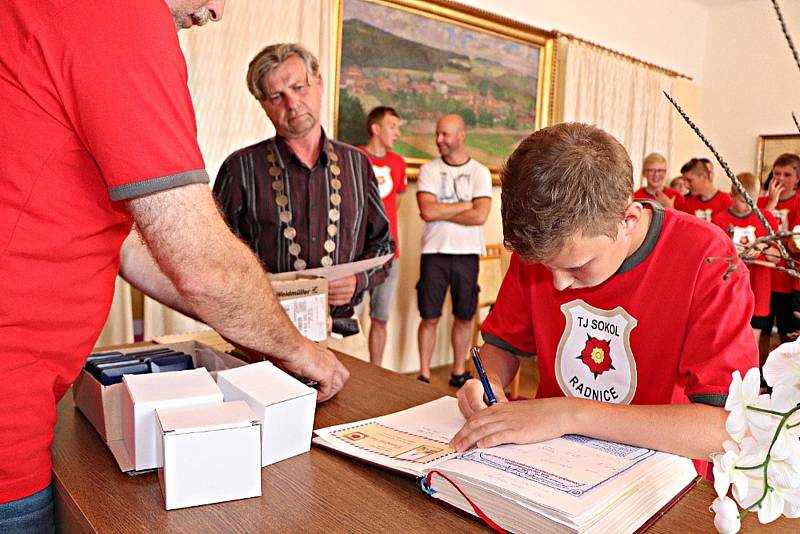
x: 513, y: 422
x: 470, y: 396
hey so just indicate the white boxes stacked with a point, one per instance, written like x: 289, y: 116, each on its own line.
x: 284, y: 405
x: 207, y: 450
x: 144, y: 394
x: 210, y: 454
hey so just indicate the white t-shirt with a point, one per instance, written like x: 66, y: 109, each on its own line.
x: 450, y: 184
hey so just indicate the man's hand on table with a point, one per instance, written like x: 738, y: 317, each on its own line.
x: 309, y: 361
x: 318, y: 363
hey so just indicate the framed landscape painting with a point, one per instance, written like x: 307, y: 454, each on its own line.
x: 427, y: 59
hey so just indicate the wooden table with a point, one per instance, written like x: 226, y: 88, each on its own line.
x: 315, y: 492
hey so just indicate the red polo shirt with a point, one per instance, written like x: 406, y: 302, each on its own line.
x: 95, y: 110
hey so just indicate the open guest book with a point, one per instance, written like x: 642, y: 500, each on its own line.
x: 569, y: 484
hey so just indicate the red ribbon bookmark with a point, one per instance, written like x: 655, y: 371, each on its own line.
x: 478, y: 511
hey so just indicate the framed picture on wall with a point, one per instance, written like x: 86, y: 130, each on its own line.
x: 429, y: 58
x: 772, y: 146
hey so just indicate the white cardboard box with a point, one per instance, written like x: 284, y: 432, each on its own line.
x: 210, y: 454
x: 143, y: 394
x: 102, y: 405
x: 284, y: 405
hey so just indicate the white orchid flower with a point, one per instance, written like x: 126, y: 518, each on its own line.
x: 771, y: 507
x: 778, y: 500
x: 762, y: 455
x: 791, y: 506
x: 764, y: 426
x: 787, y: 446
x: 783, y: 474
x: 726, y: 516
x: 742, y: 393
x: 725, y: 464
x: 783, y: 365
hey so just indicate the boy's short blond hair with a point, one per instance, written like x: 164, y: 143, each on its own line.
x: 750, y: 182
x: 653, y: 157
x: 561, y: 181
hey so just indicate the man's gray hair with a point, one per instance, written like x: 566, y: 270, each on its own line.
x: 270, y: 58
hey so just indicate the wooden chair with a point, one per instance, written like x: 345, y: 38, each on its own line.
x: 490, y: 277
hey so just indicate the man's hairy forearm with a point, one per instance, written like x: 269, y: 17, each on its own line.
x: 215, y: 274
x: 139, y: 269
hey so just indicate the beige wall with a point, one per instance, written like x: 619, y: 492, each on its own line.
x: 671, y: 33
x: 750, y: 81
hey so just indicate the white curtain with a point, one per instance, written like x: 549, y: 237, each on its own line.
x: 620, y: 96
x: 228, y: 117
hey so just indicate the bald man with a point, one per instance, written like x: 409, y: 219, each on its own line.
x: 454, y: 194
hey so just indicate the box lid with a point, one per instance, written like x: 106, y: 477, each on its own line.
x: 292, y: 276
x: 265, y: 383
x: 185, y: 420
x: 169, y: 386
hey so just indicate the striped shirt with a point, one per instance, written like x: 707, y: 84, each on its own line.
x: 244, y: 191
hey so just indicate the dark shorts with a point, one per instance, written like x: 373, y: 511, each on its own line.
x: 437, y: 272
x: 781, y: 308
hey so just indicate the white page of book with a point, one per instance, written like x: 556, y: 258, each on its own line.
x: 574, y: 474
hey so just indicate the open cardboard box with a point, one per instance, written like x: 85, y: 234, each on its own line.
x: 102, y: 405
x: 305, y: 300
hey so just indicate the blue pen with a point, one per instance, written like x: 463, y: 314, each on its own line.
x: 487, y: 388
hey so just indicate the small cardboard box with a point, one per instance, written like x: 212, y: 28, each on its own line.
x: 305, y: 299
x: 102, y: 405
x: 143, y: 394
x: 209, y: 454
x: 284, y: 405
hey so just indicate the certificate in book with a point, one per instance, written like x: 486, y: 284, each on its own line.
x: 569, y: 484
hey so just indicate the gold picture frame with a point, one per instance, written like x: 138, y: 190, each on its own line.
x: 772, y: 146
x: 472, y: 78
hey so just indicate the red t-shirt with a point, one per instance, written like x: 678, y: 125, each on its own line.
x: 705, y: 208
x: 665, y: 329
x: 390, y: 172
x: 785, y: 212
x: 93, y: 112
x: 744, y: 230
x: 642, y: 194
